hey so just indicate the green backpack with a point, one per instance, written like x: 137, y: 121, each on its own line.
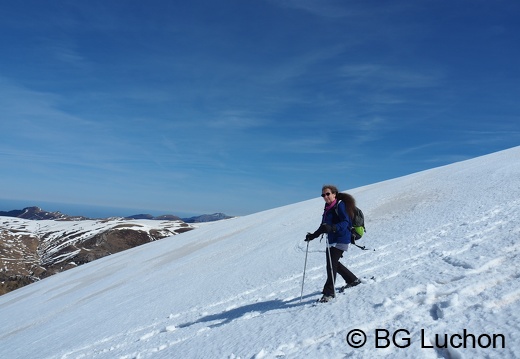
x: 358, y: 224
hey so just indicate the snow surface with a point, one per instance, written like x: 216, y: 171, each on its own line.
x: 446, y: 260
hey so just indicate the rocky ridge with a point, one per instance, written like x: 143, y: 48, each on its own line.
x: 31, y: 250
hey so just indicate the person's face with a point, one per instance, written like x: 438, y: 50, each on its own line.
x: 328, y: 196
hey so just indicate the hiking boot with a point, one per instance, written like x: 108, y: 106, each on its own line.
x: 325, y: 298
x: 350, y: 285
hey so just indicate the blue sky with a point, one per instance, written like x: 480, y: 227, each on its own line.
x: 241, y: 106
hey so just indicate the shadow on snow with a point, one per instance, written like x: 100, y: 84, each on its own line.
x: 255, y: 309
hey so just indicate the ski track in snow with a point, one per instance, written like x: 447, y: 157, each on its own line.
x: 455, y: 292
x: 439, y: 268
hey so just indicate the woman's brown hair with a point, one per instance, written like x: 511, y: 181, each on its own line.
x: 350, y: 203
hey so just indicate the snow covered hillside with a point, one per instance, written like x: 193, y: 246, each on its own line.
x: 446, y: 266
x: 34, y: 249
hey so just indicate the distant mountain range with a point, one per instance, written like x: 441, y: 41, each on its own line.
x: 36, y: 213
x: 35, y: 244
x: 197, y: 219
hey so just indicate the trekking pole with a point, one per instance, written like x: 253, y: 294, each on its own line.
x: 331, y: 269
x: 304, y: 268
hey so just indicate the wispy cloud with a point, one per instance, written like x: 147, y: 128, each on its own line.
x: 327, y: 8
x: 64, y: 50
x: 20, y: 103
x: 35, y: 128
x: 406, y: 151
x: 317, y: 145
x: 237, y: 120
x: 299, y: 65
x: 354, y: 10
x: 386, y: 76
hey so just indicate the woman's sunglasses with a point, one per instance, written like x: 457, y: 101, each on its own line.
x: 325, y: 194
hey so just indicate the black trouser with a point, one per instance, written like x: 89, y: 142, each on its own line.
x: 337, y: 267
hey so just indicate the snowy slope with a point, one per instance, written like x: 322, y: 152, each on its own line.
x: 446, y: 263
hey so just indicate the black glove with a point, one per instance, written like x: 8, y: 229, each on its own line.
x: 327, y: 228
x: 310, y: 237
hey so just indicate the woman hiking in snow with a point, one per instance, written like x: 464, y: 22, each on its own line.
x: 336, y: 223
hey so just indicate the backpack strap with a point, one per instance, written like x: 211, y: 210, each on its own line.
x: 360, y: 247
x: 336, y: 207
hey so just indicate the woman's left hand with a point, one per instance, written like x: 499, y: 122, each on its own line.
x: 327, y: 228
